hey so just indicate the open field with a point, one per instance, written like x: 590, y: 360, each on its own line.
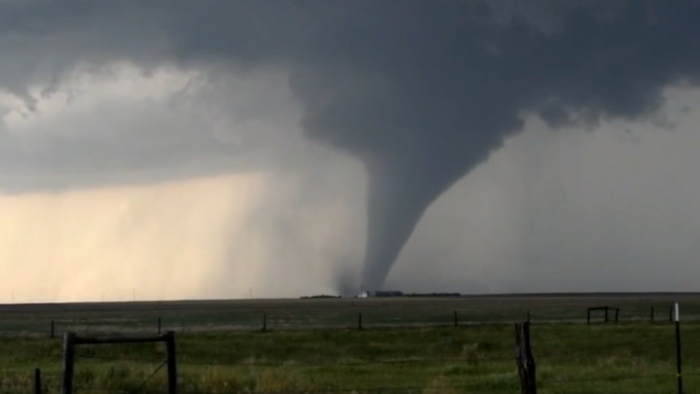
x: 315, y: 346
x: 295, y: 314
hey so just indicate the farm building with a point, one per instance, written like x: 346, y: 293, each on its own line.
x: 381, y: 293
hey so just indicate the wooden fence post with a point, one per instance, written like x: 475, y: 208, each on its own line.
x: 159, y: 326
x: 53, y: 331
x: 172, y: 362
x: 524, y: 359
x: 456, y: 319
x: 359, y: 321
x: 679, y: 371
x: 588, y: 316
x: 264, y: 327
x: 617, y: 315
x: 652, y: 314
x: 37, y: 381
x: 68, y: 362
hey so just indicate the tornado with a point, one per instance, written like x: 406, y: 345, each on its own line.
x: 399, y: 191
x: 420, y: 92
x: 423, y: 95
x: 396, y: 200
x: 394, y: 208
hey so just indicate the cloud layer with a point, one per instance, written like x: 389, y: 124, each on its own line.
x: 421, y: 93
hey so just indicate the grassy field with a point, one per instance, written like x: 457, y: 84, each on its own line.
x: 315, y: 346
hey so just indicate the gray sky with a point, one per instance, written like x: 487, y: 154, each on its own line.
x: 532, y: 144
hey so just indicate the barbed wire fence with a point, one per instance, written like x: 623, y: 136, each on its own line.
x: 276, y: 320
x: 617, y: 382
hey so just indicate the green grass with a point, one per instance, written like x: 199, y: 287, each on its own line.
x: 630, y: 357
x: 325, y: 313
x: 476, y: 359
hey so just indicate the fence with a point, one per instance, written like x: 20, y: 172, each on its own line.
x: 527, y: 367
x: 488, y: 370
x: 451, y: 354
x: 156, y: 321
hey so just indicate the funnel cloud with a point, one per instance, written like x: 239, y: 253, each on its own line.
x: 440, y: 87
x: 421, y: 92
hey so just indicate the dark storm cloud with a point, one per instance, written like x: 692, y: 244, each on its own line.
x: 420, y: 91
x: 424, y: 93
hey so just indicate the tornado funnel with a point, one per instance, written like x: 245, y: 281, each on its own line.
x: 399, y: 193
x: 393, y: 210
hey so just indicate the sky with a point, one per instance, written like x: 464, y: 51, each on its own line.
x: 166, y: 150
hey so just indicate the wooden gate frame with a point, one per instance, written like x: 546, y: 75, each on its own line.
x: 606, y: 309
x: 71, y: 340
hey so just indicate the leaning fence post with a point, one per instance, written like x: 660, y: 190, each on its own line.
x: 171, y: 361
x: 524, y: 359
x: 37, y: 381
x: 68, y: 362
